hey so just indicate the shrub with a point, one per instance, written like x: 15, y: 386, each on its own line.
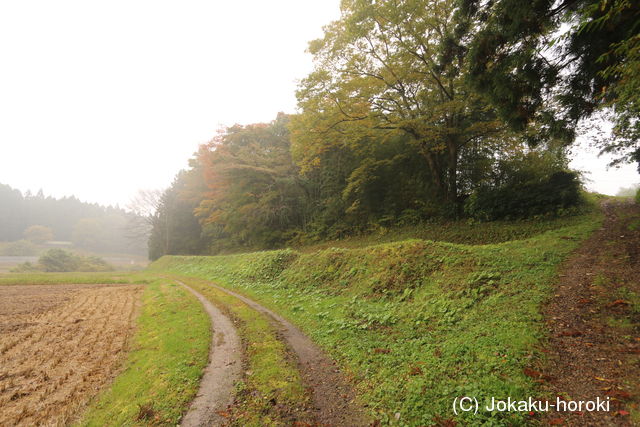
x: 552, y: 194
x: 26, y: 267
x: 638, y: 196
x: 58, y: 260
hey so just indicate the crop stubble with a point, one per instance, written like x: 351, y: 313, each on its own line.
x: 59, y: 345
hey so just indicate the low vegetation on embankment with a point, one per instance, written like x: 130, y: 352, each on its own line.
x: 416, y: 322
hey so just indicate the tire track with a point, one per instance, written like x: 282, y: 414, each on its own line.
x: 225, y: 365
x: 333, y: 397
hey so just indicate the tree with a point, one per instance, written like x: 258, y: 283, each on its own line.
x: 175, y: 229
x: 552, y: 63
x: 61, y: 216
x: 254, y: 193
x: 143, y: 207
x: 387, y: 69
x: 38, y: 234
x: 12, y: 213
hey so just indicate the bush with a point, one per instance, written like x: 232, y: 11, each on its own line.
x: 26, y: 267
x: 552, y: 194
x: 638, y: 196
x: 58, y: 260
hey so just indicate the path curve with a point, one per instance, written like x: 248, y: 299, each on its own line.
x: 219, y: 377
x: 333, y: 398
x: 588, y: 358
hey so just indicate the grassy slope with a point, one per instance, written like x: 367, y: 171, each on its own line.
x: 161, y: 374
x: 463, y: 231
x: 416, y: 322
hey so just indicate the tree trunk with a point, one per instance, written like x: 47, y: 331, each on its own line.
x: 452, y: 176
x: 436, y: 173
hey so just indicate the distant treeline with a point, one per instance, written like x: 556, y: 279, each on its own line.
x: 87, y: 226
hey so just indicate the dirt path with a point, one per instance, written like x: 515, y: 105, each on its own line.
x: 595, y: 330
x: 333, y: 398
x: 219, y: 377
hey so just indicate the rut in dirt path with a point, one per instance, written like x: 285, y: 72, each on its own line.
x: 225, y: 365
x: 590, y: 356
x: 333, y: 398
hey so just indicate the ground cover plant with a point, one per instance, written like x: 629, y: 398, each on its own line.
x: 416, y: 322
x: 467, y: 231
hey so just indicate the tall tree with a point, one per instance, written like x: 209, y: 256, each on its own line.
x: 254, y: 192
x: 175, y: 229
x: 393, y: 68
x: 551, y: 63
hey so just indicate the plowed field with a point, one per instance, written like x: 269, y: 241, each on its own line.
x: 59, y: 345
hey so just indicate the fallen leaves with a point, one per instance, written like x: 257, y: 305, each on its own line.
x: 618, y: 302
x: 619, y: 394
x: 570, y: 333
x: 538, y: 376
x: 531, y: 373
x: 415, y: 370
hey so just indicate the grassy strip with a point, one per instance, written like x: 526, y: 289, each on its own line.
x: 418, y: 323
x: 162, y: 372
x: 69, y: 278
x: 271, y: 394
x: 462, y: 232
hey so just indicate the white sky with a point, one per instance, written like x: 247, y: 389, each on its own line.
x: 99, y: 99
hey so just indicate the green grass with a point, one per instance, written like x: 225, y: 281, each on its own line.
x: 468, y: 232
x: 162, y: 371
x: 272, y: 389
x: 69, y: 278
x: 416, y: 322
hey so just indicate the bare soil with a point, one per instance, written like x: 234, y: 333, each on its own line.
x: 59, y: 345
x: 333, y: 398
x: 594, y: 349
